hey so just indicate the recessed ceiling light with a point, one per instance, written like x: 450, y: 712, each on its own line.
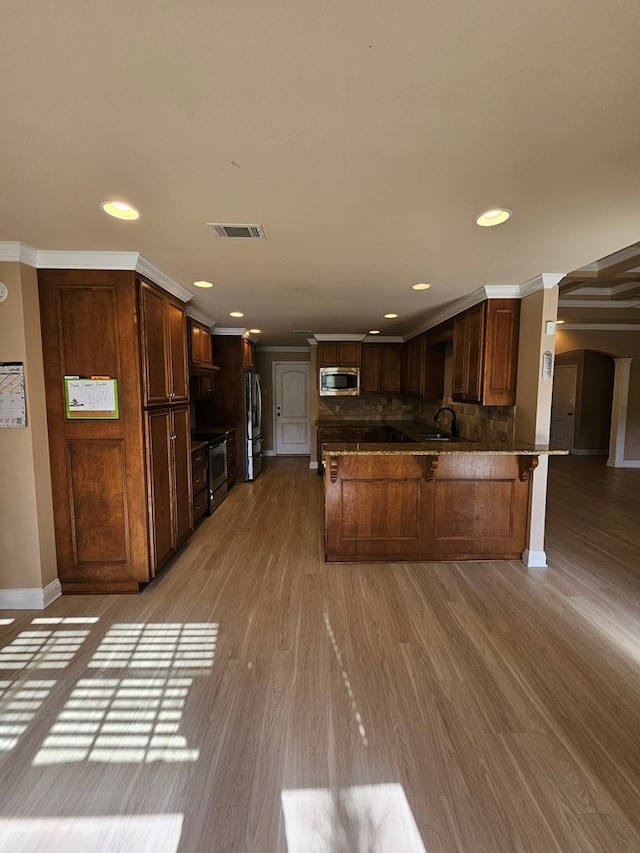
x: 236, y: 314
x: 390, y: 316
x: 374, y: 331
x: 203, y: 284
x: 255, y: 331
x: 421, y: 286
x: 120, y: 210
x: 495, y: 216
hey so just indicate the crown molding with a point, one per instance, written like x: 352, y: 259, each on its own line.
x: 200, y: 316
x: 229, y: 331
x: 15, y: 252
x: 383, y: 339
x: 544, y: 281
x: 333, y: 337
x: 600, y: 327
x: 599, y: 303
x: 48, y: 259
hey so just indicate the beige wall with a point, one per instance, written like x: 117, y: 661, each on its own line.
x: 615, y: 343
x: 27, y: 546
x: 264, y: 365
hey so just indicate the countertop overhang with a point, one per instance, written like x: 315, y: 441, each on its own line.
x: 439, y: 448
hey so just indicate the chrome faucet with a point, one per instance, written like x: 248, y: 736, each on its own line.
x: 454, y: 425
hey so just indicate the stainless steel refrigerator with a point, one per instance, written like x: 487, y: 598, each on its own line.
x: 252, y: 425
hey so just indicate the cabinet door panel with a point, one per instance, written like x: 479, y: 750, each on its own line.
x: 163, y: 541
x: 84, y: 353
x: 154, y: 345
x: 474, y: 353
x: 371, y: 371
x: 182, y: 474
x: 391, y: 368
x: 97, y: 479
x: 178, y: 352
x: 501, y: 356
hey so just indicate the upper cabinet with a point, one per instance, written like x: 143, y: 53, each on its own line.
x: 339, y: 353
x: 248, y: 354
x: 200, y: 345
x: 413, y: 367
x: 380, y: 371
x: 163, y: 347
x: 485, y: 353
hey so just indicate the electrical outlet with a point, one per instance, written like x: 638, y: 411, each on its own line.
x: 337, y: 407
x: 379, y: 408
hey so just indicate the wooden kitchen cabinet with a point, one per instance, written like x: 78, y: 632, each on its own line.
x: 170, y: 499
x: 413, y: 367
x: 163, y: 347
x: 231, y: 459
x: 485, y: 353
x: 121, y: 487
x: 339, y: 353
x: 248, y: 354
x: 380, y: 371
x: 199, y: 480
x: 200, y: 345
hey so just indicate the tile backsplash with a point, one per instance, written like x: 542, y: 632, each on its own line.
x: 478, y: 423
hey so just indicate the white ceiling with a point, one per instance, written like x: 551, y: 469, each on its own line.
x: 364, y: 137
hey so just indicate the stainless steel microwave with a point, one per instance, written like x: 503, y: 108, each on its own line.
x: 339, y: 381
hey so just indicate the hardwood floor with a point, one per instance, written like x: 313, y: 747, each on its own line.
x: 256, y: 699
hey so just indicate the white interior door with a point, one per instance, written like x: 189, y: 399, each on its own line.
x: 563, y: 405
x: 292, y: 427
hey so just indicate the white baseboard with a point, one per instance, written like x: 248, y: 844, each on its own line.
x: 624, y: 463
x: 30, y: 599
x: 576, y: 452
x: 534, y: 559
x: 268, y: 453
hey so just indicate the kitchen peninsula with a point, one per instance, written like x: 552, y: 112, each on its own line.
x: 428, y: 500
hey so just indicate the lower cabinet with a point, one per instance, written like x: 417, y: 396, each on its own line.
x: 399, y: 507
x: 199, y: 480
x: 231, y: 458
x: 170, y: 498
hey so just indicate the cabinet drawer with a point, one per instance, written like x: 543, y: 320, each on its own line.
x: 200, y: 505
x: 198, y: 458
x: 199, y: 478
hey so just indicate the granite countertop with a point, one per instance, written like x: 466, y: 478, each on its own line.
x: 439, y: 448
x: 198, y: 445
x: 416, y: 447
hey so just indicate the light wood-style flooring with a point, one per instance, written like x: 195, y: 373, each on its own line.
x: 254, y: 699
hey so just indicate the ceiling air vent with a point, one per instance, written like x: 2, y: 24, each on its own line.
x: 237, y: 231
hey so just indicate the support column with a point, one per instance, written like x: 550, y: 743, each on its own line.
x: 619, y: 412
x: 538, y: 313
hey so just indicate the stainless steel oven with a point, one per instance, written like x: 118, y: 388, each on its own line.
x: 217, y: 471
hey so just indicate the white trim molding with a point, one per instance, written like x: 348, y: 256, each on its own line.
x: 200, y: 316
x: 30, y: 599
x: 619, y: 406
x: 534, y: 559
x: 55, y: 259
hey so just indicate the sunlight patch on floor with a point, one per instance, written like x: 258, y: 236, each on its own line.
x: 142, y: 834
x: 129, y: 720
x: 360, y: 819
